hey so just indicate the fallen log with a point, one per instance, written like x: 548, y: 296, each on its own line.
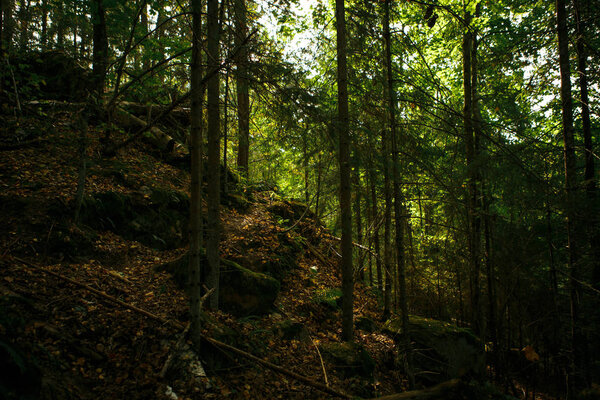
x: 181, y: 115
x: 155, y: 135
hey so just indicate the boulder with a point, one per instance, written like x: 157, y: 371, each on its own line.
x: 443, y: 350
x: 242, y: 292
x: 349, y: 359
x: 155, y: 217
x: 291, y: 330
x: 365, y: 324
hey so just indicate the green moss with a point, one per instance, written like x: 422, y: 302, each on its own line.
x: 444, y: 348
x: 350, y: 359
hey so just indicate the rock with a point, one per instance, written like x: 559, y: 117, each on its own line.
x: 365, y: 324
x: 155, y: 217
x: 350, y: 359
x: 290, y: 330
x: 443, y: 349
x: 236, y: 200
x: 242, y: 292
x: 330, y: 299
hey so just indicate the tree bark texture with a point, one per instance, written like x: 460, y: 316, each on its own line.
x: 344, y: 162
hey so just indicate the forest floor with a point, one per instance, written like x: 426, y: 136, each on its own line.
x: 70, y: 343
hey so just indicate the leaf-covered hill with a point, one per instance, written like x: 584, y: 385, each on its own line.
x: 60, y: 340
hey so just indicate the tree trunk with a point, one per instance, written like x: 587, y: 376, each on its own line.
x: 225, y: 130
x: 376, y: 243
x: 399, y: 218
x: 44, y: 33
x: 242, y: 84
x: 357, y: 213
x: 100, y: 56
x: 345, y: 189
x: 214, y: 138
x: 473, y: 235
x: 194, y: 280
x: 577, y: 339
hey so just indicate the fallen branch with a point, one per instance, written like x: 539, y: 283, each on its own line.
x: 318, y: 254
x: 358, y: 245
x: 303, y: 379
x: 178, y: 325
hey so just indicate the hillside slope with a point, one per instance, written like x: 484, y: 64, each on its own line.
x: 65, y: 342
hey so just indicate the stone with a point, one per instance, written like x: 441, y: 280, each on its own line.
x: 443, y: 349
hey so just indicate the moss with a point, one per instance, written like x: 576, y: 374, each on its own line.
x: 444, y: 348
x: 350, y: 359
x: 329, y: 298
x: 242, y: 292
x: 289, y: 330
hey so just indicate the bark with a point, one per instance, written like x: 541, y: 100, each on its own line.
x: 44, y: 33
x: 473, y: 235
x: 242, y: 84
x: 214, y: 137
x: 344, y: 163
x: 376, y: 243
x: 589, y: 174
x: 399, y: 218
x: 7, y: 26
x: 196, y: 237
x: 225, y: 130
x: 100, y: 56
x: 359, y: 229
x: 577, y: 339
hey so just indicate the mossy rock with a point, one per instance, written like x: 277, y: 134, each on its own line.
x: 245, y: 292
x: 237, y: 201
x: 291, y: 330
x: 444, y: 349
x: 242, y: 292
x: 155, y: 217
x: 330, y: 299
x: 365, y: 324
x: 291, y: 210
x: 349, y: 359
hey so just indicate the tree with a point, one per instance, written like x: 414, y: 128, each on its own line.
x: 194, y: 282
x: 343, y: 131
x: 100, y: 57
x: 399, y: 217
x: 577, y: 339
x: 214, y: 137
x: 242, y: 83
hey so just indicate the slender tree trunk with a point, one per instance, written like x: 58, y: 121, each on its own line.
x: 305, y: 165
x: 194, y: 280
x: 359, y: 229
x: 317, y: 202
x: 242, y: 84
x: 144, y: 31
x: 399, y: 218
x: 577, y: 338
x: 59, y: 20
x: 387, y: 226
x: 24, y: 21
x: 345, y: 189
x: 589, y: 174
x: 225, y: 130
x: 44, y: 33
x: 376, y: 232
x: 100, y: 57
x: 472, y: 217
x: 477, y: 182
x: 214, y: 138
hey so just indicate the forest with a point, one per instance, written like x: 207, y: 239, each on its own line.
x: 299, y: 199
